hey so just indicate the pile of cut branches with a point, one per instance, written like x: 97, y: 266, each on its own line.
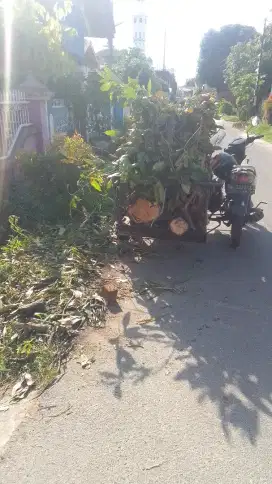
x: 49, y: 285
x: 164, y: 154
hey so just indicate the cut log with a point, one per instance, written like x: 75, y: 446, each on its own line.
x: 178, y: 226
x: 143, y: 211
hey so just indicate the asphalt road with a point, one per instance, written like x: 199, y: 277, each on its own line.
x: 181, y: 396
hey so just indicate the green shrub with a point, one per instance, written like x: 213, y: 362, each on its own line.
x: 42, y: 190
x: 61, y: 183
x: 225, y: 107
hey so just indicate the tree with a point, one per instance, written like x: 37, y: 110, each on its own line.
x: 37, y: 36
x: 168, y: 81
x: 241, y: 73
x: 133, y: 64
x: 214, y: 50
x: 243, y: 59
x: 80, y: 93
x: 266, y: 64
x: 127, y: 63
x: 190, y: 82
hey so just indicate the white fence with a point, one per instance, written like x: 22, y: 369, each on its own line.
x: 13, y: 114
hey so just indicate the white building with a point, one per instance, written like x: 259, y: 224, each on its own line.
x: 139, y: 26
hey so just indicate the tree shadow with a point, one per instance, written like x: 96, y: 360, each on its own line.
x: 126, y: 364
x: 215, y: 323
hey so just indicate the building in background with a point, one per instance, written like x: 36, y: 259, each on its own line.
x: 139, y: 26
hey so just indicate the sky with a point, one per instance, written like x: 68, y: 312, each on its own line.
x: 185, y: 21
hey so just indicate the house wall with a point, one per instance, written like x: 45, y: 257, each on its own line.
x: 23, y: 124
x: 59, y: 117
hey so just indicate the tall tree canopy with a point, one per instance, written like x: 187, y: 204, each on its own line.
x: 241, y: 75
x: 37, y: 41
x: 133, y: 63
x: 242, y: 67
x: 266, y: 63
x: 214, y: 50
x: 127, y: 62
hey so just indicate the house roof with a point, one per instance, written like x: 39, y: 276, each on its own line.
x: 99, y: 18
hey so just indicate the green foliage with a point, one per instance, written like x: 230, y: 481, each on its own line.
x: 92, y: 184
x: 19, y: 239
x: 244, y: 90
x: 241, y: 75
x: 58, y: 265
x: 243, y: 59
x: 241, y: 72
x: 79, y: 92
x: 166, y: 147
x: 48, y: 267
x: 168, y: 82
x: 225, y: 107
x: 132, y: 63
x: 71, y: 88
x: 111, y: 132
x: 233, y: 118
x: 76, y: 152
x: 264, y: 129
x: 42, y: 192
x: 121, y: 91
x: 266, y: 65
x: 54, y: 186
x: 214, y: 50
x: 37, y: 40
x: 94, y: 96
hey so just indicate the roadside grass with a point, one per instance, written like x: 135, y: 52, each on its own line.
x: 264, y: 129
x: 232, y: 118
x: 48, y: 293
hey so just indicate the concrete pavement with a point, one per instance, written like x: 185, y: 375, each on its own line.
x: 181, y: 389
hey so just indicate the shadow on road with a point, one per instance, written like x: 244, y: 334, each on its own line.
x: 215, y: 317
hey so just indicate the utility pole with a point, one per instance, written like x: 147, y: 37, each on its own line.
x: 164, y: 52
x: 259, y: 68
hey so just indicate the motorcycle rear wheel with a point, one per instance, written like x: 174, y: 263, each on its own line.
x: 236, y: 231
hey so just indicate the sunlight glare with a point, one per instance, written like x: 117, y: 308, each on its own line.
x: 8, y: 17
x: 5, y: 114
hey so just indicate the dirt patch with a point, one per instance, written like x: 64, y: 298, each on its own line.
x: 119, y: 274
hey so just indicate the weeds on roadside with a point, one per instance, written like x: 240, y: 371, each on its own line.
x: 60, y: 269
x: 65, y: 197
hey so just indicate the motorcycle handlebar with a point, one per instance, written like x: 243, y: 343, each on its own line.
x: 253, y: 138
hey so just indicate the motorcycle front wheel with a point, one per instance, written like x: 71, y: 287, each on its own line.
x: 236, y: 231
